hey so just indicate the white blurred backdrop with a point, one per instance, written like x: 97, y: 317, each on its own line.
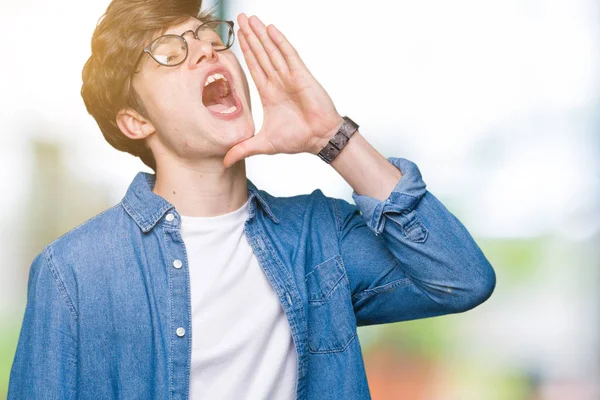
x: 497, y: 102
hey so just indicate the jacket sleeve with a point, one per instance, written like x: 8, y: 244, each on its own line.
x: 45, y: 362
x: 408, y: 257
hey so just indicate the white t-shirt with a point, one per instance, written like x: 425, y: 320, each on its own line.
x: 242, y: 346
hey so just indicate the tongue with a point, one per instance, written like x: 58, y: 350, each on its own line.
x: 218, y: 107
x: 224, y: 103
x: 217, y: 97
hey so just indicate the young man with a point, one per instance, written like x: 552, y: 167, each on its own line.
x: 198, y: 284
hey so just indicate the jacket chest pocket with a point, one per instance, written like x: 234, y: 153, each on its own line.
x: 331, y: 319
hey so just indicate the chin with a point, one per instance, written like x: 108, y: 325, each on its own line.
x: 246, y: 129
x: 233, y: 132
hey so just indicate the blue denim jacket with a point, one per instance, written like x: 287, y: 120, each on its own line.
x: 105, y: 299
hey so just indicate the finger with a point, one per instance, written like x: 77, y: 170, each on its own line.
x: 257, y: 144
x: 272, y: 50
x: 289, y: 52
x: 257, y: 73
x: 256, y: 46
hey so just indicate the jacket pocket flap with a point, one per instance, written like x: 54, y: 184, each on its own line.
x: 321, y: 281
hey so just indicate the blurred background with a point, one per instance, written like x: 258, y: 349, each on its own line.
x: 498, y: 104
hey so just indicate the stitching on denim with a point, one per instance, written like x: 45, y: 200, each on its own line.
x: 338, y: 230
x: 289, y: 279
x: 171, y: 341
x: 337, y: 217
x: 344, y: 276
x: 133, y: 213
x: 60, y: 284
x: 292, y: 282
x: 382, y: 289
x: 334, y: 350
x: 418, y: 240
x: 378, y: 218
x: 63, y: 291
x: 414, y: 224
x: 415, y: 220
x: 324, y: 300
x: 187, y: 279
x: 400, y: 194
x: 317, y: 266
x: 341, y: 260
x: 273, y: 257
x: 158, y: 215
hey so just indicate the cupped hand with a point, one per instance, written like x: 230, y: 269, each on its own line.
x: 298, y: 114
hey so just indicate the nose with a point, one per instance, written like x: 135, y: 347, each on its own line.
x: 200, y: 51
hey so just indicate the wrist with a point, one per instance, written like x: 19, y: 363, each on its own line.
x: 324, y: 140
x: 336, y: 143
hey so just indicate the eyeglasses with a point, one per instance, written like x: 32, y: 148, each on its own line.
x: 171, y: 50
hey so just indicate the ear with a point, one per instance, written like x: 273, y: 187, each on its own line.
x: 133, y: 124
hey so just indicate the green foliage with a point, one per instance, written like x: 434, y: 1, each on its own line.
x: 8, y: 345
x: 475, y: 380
x: 515, y: 260
x: 428, y: 337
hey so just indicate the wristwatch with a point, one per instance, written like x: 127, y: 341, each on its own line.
x: 338, y: 141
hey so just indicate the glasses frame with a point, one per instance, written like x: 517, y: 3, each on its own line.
x: 195, y: 32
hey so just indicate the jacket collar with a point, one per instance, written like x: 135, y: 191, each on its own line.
x: 147, y: 208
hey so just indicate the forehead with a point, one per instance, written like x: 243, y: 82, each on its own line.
x: 191, y: 23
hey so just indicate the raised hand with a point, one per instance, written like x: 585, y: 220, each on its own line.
x: 299, y: 115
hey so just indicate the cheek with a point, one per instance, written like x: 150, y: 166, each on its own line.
x: 246, y: 89
x: 171, y: 102
x: 244, y: 81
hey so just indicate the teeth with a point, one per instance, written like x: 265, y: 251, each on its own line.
x: 213, y: 78
x: 229, y: 110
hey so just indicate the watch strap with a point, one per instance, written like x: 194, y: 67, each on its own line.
x: 338, y: 141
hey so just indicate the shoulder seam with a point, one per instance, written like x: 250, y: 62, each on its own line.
x: 59, y: 283
x: 83, y: 223
x: 337, y: 216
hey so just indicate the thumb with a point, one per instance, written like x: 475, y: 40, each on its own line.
x: 249, y: 147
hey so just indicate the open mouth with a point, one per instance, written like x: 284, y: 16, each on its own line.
x: 218, y: 96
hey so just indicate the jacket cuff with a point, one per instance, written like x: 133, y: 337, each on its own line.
x: 404, y: 197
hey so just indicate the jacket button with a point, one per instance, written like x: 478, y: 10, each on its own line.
x: 180, y: 332
x: 169, y: 217
x: 177, y: 264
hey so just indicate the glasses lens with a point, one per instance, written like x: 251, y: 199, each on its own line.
x: 217, y: 33
x: 168, y: 50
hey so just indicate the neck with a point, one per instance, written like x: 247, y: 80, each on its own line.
x: 206, y: 189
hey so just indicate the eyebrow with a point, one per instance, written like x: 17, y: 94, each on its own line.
x: 193, y: 29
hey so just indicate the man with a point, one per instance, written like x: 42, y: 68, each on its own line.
x: 198, y: 284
